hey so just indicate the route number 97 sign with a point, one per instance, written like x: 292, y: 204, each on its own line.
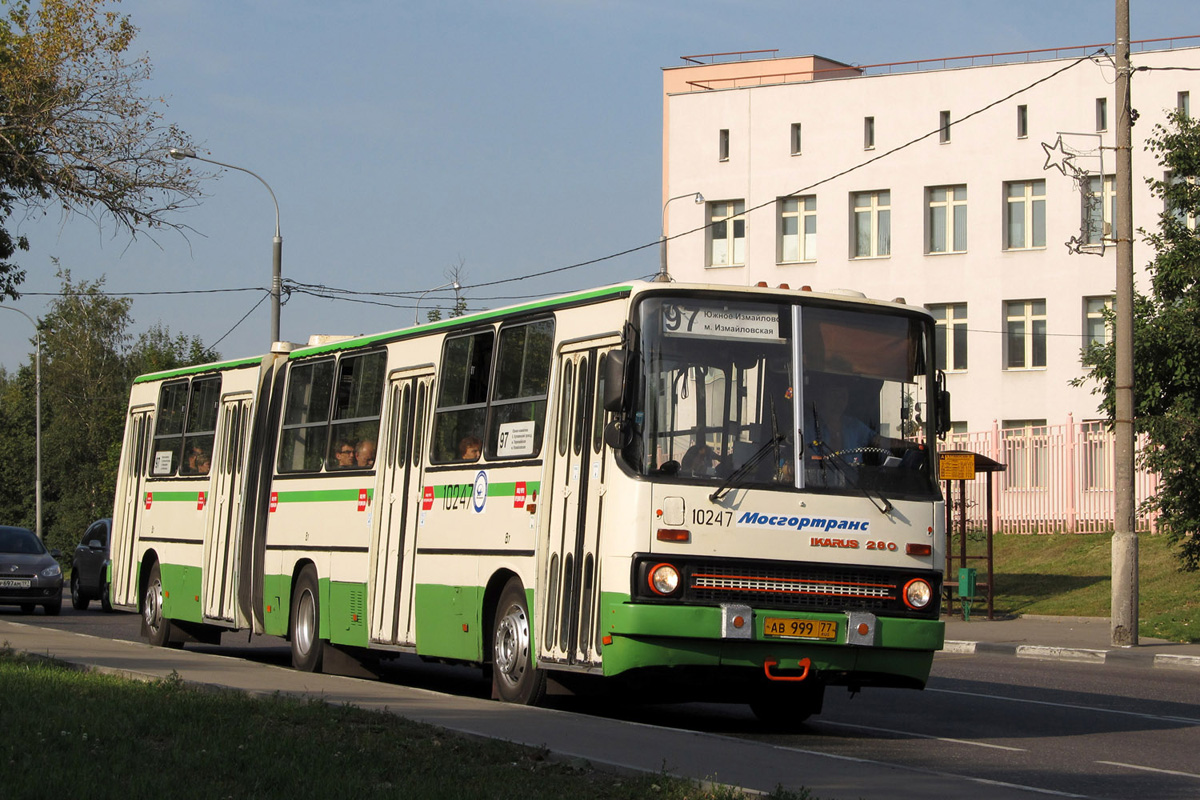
x: 706, y: 322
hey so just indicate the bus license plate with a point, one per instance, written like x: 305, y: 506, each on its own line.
x: 800, y: 628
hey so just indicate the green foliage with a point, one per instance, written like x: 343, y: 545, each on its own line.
x: 1069, y: 574
x: 101, y: 736
x: 76, y: 132
x: 1166, y: 340
x: 88, y: 364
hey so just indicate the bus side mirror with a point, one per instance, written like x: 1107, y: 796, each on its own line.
x: 614, y: 380
x: 943, y: 406
x: 943, y: 422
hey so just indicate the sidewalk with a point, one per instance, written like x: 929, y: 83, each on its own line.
x: 1085, y: 639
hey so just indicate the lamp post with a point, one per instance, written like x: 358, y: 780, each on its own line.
x: 417, y: 307
x: 37, y: 437
x: 662, y: 238
x: 277, y: 248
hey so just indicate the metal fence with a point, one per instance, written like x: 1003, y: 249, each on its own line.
x: 1058, y: 479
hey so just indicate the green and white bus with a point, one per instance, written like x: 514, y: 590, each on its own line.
x: 706, y: 492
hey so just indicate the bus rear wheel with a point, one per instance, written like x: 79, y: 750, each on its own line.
x: 514, y: 677
x: 157, y: 627
x: 307, y: 646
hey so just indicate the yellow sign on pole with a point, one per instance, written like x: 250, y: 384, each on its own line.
x: 956, y: 466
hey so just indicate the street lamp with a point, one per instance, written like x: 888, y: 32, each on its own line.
x: 181, y: 153
x: 37, y: 439
x: 662, y: 239
x: 416, y: 308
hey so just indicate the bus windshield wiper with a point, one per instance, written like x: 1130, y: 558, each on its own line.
x: 752, y: 462
x: 851, y: 476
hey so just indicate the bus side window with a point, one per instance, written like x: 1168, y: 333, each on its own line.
x: 305, y: 433
x: 168, y: 433
x: 358, y: 403
x: 518, y: 408
x: 462, y: 395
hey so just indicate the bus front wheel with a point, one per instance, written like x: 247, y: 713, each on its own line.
x: 514, y: 677
x: 307, y: 645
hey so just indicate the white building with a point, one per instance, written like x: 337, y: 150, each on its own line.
x: 931, y: 185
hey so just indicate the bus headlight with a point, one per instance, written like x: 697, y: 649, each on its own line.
x: 917, y: 593
x: 663, y: 579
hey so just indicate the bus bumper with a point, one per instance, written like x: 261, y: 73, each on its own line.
x: 897, y: 651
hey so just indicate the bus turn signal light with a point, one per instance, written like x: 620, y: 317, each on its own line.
x: 674, y: 535
x: 918, y: 549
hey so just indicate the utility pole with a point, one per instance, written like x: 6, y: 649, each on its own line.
x: 1124, y: 625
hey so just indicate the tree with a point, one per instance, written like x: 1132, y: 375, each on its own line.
x: 88, y: 365
x: 84, y: 393
x: 76, y: 130
x: 1166, y: 340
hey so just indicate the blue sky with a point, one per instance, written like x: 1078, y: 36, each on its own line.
x: 405, y: 138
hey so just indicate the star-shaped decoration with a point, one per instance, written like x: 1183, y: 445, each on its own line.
x: 1058, y: 158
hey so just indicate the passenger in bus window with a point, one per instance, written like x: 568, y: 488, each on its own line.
x: 364, y: 454
x: 197, y: 461
x: 700, y: 459
x: 469, y: 448
x: 343, y: 455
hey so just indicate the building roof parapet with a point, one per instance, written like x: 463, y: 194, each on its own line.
x: 813, y: 72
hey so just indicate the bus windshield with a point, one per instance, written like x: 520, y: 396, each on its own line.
x: 741, y: 392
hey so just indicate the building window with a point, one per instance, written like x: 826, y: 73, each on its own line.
x: 1022, y: 122
x: 944, y: 127
x: 947, y: 221
x: 727, y: 233
x: 1101, y: 113
x: 1025, y: 214
x: 868, y: 133
x: 951, y: 335
x: 1183, y: 102
x: 796, y: 140
x: 1026, y: 452
x: 723, y: 145
x: 1101, y: 209
x: 1187, y: 219
x: 797, y: 229
x: 872, y: 224
x: 1096, y: 329
x: 1025, y: 334
x: 1095, y: 442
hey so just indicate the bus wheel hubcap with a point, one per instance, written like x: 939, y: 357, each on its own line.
x: 512, y: 644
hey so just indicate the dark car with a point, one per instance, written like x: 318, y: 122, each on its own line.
x: 89, y: 567
x: 29, y: 573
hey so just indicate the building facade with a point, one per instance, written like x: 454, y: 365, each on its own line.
x: 984, y: 192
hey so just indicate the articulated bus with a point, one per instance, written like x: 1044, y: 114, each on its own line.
x: 677, y: 491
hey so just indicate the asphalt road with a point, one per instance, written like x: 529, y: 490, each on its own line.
x: 1063, y: 728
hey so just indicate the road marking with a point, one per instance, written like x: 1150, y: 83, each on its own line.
x: 1138, y: 714
x: 922, y: 736
x: 1150, y: 769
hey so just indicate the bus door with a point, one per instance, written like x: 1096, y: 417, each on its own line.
x: 124, y: 563
x: 393, y: 544
x: 569, y: 628
x: 225, y: 510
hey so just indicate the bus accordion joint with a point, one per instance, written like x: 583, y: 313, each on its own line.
x: 804, y: 664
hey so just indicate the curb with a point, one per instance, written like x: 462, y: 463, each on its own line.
x: 1076, y: 654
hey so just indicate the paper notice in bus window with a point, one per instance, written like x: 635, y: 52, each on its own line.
x: 162, y: 462
x: 759, y: 324
x: 515, y: 439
